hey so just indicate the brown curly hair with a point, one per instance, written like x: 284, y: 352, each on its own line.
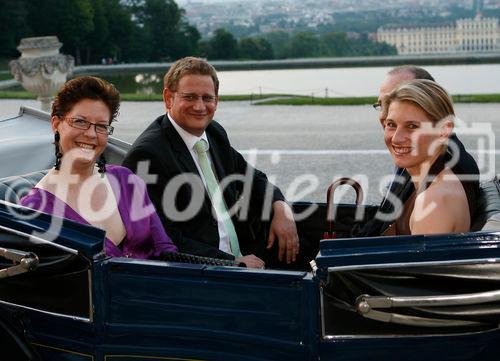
x: 86, y: 87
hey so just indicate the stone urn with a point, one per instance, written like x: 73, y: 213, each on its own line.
x: 41, y: 69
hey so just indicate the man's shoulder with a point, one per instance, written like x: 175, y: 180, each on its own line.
x: 464, y: 163
x: 147, y: 144
x: 153, y: 130
x: 215, y: 127
x: 217, y: 131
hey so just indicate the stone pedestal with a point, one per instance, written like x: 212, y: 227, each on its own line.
x: 40, y: 68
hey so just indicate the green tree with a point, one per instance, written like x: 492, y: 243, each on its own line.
x: 97, y: 41
x: 364, y: 46
x: 302, y: 45
x: 248, y: 48
x: 13, y: 26
x: 123, y: 40
x: 158, y: 19
x: 186, y: 40
x: 278, y: 41
x: 203, y: 48
x: 223, y: 45
x: 255, y: 48
x: 335, y: 44
x: 71, y: 20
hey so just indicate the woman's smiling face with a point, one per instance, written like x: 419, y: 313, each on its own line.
x: 410, y: 135
x: 83, y: 147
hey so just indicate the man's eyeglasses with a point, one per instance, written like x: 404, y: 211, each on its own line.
x: 377, y: 106
x: 189, y: 97
x: 83, y: 124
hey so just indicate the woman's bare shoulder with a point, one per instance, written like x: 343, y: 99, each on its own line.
x: 442, y: 207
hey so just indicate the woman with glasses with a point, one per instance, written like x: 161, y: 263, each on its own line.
x: 418, y: 122
x: 81, y: 187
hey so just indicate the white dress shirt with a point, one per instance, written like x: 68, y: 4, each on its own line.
x: 190, y: 140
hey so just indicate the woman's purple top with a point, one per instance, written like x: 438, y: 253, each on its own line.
x: 145, y: 236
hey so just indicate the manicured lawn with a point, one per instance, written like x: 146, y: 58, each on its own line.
x: 225, y: 98
x: 466, y: 98
x: 277, y: 99
x: 302, y: 100
x: 16, y: 95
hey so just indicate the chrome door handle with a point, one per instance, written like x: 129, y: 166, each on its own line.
x: 368, y: 306
x: 22, y: 262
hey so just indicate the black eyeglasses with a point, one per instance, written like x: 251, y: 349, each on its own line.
x: 377, y: 106
x: 190, y: 97
x: 83, y: 124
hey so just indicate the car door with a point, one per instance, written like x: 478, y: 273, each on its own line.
x: 169, y: 310
x: 46, y: 285
x: 410, y: 297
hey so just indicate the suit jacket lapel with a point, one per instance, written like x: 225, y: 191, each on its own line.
x: 178, y: 146
x: 184, y: 156
x: 217, y: 159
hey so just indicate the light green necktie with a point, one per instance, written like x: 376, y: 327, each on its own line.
x: 201, y: 147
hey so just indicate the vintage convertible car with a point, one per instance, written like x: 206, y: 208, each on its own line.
x: 397, y: 298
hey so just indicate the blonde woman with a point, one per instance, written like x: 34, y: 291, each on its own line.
x: 418, y: 123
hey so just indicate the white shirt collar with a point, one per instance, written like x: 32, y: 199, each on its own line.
x: 188, y: 138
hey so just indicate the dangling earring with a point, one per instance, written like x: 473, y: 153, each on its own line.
x: 58, y: 153
x: 101, y: 165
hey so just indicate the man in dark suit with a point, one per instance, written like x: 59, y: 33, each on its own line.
x: 402, y: 187
x: 194, y: 163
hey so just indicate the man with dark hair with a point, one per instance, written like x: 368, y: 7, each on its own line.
x: 418, y: 72
x: 402, y: 187
x: 186, y: 146
x: 396, y: 77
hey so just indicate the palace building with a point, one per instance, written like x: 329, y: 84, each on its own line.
x: 466, y: 35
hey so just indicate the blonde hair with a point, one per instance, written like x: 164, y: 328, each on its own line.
x: 432, y: 98
x: 189, y: 65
